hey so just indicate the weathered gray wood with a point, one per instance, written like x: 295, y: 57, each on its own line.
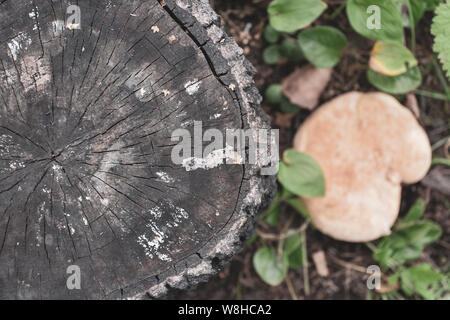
x: 85, y: 172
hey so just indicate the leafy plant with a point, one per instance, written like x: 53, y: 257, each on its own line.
x: 392, y: 66
x: 300, y: 175
x: 406, y: 243
x: 408, y: 239
x: 422, y: 280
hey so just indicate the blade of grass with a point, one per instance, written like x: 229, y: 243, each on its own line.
x: 433, y: 95
x: 441, y: 78
x: 305, y: 264
x: 440, y: 143
x: 290, y: 287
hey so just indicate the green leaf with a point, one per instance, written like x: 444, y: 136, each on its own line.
x: 269, y: 266
x: 287, y: 107
x: 290, y: 49
x: 270, y: 34
x: 400, y: 84
x: 415, y: 212
x: 440, y: 28
x: 391, y: 58
x: 300, y: 174
x: 292, y: 15
x: 274, y: 94
x: 271, y: 54
x: 442, y: 161
x: 322, y: 46
x: 293, y: 250
x: 383, y: 24
x: 421, y: 279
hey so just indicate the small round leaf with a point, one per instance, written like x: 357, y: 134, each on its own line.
x: 391, y: 58
x: 300, y: 174
x: 271, y: 35
x: 292, y: 15
x: 271, y: 54
x: 274, y: 94
x: 322, y: 46
x: 269, y: 267
x: 290, y: 49
x: 287, y: 107
x: 400, y: 84
x: 376, y: 19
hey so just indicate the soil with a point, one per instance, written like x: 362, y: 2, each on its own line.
x: 245, y: 20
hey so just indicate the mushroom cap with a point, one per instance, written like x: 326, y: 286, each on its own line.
x: 367, y: 144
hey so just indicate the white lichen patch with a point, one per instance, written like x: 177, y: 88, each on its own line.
x: 215, y: 116
x: 151, y: 247
x: 33, y: 14
x: 156, y: 212
x: 192, y: 86
x: 57, y: 172
x: 213, y: 159
x: 104, y: 202
x: 16, y: 164
x: 155, y: 29
x: 152, y: 241
x: 178, y: 215
x: 19, y: 43
x: 164, y: 177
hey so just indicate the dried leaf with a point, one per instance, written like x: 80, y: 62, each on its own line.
x: 305, y: 85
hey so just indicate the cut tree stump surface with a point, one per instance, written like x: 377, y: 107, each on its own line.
x: 86, y: 178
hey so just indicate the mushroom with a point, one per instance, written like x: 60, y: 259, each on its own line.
x: 367, y: 144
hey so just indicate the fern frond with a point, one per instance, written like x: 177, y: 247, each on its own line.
x: 441, y: 31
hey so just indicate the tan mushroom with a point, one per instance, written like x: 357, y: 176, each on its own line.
x: 367, y: 144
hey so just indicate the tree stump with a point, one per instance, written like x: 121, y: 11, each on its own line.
x: 91, y: 206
